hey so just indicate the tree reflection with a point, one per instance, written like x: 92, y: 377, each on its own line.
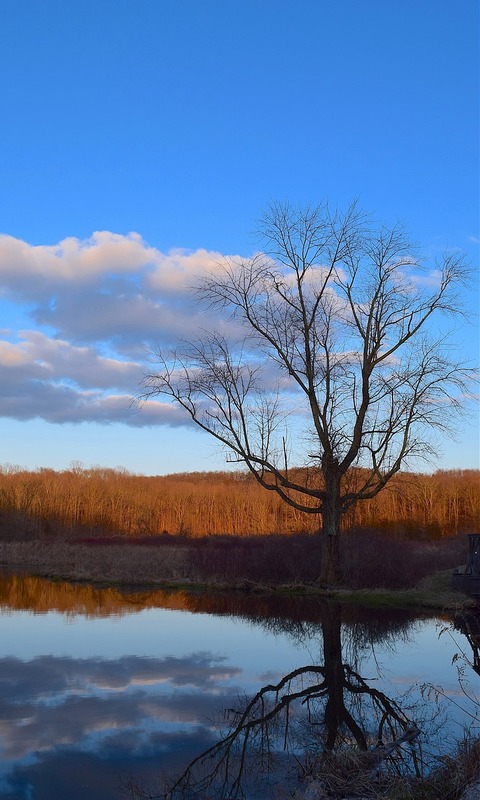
x: 468, y: 622
x: 291, y: 724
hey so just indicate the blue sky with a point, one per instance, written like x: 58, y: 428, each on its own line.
x: 141, y: 140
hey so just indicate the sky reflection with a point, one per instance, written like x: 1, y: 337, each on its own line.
x: 88, y: 700
x: 93, y: 716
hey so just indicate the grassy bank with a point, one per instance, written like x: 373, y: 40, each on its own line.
x: 433, y: 592
x: 414, y: 574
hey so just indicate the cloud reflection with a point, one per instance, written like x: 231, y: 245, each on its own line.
x: 71, y: 719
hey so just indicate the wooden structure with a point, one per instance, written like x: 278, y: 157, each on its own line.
x: 469, y: 580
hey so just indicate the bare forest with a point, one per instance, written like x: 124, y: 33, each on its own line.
x: 103, y: 502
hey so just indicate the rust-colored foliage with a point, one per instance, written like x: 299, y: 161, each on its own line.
x: 49, y: 504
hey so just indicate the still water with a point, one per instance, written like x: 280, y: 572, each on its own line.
x: 99, y: 688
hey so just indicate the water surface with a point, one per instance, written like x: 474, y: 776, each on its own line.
x: 97, y: 686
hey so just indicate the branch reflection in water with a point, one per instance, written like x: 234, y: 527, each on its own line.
x: 294, y: 729
x: 136, y: 697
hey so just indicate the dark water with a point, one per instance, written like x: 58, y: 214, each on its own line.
x: 100, y: 688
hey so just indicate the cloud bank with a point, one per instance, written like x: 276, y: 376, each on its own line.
x: 79, y: 319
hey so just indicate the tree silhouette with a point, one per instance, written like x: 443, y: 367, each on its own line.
x: 338, y: 363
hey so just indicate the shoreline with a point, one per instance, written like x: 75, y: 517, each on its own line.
x: 149, y: 568
x: 69, y: 563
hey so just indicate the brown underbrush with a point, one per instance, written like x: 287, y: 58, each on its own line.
x: 375, y: 560
x: 370, y: 560
x: 103, y: 563
x: 349, y: 775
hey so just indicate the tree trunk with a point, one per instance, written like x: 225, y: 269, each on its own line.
x: 336, y: 714
x: 330, y: 545
x: 334, y: 677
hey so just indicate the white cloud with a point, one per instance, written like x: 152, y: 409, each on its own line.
x: 73, y: 260
x: 430, y: 280
x: 80, y: 318
x: 109, y: 287
x: 83, y: 365
x: 12, y: 355
x: 96, y: 308
x: 30, y: 392
x: 179, y: 270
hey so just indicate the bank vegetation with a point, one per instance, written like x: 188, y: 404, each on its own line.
x: 223, y: 530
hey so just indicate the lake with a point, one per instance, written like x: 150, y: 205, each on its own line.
x: 102, y: 689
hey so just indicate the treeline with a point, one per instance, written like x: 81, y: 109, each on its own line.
x: 106, y: 501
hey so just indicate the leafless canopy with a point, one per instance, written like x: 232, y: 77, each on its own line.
x: 331, y: 352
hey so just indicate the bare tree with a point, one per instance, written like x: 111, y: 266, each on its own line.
x: 340, y: 362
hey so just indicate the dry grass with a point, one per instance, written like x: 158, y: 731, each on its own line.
x: 458, y: 771
x: 348, y: 775
x: 271, y: 562
x: 109, y: 563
